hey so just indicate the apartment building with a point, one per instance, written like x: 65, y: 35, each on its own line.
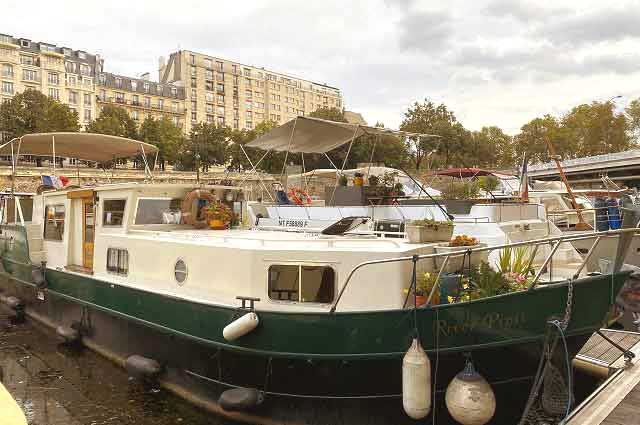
x: 62, y: 73
x: 142, y: 98
x: 241, y: 96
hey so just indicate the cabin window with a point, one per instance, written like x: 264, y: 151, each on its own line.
x: 158, y: 211
x: 54, y: 222
x: 301, y: 283
x: 118, y: 261
x: 113, y: 212
x: 180, y: 271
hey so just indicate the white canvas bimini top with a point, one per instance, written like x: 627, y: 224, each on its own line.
x: 315, y: 135
x: 84, y: 146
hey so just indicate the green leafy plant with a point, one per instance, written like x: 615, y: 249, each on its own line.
x: 343, y: 180
x: 432, y: 224
x: 373, y: 180
x: 218, y: 211
x: 487, y: 282
x: 488, y: 183
x: 461, y: 190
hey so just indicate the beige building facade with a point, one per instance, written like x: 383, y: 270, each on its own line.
x: 142, y: 98
x: 61, y: 73
x: 241, y: 96
x: 192, y: 87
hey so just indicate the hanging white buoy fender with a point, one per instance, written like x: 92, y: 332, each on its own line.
x: 416, y: 382
x: 240, y: 326
x: 469, y: 398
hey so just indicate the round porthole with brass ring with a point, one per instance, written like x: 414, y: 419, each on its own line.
x: 180, y: 271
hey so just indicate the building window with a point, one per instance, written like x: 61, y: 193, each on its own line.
x: 134, y: 85
x: 194, y: 117
x: 25, y: 43
x: 135, y: 115
x: 209, y: 97
x: 7, y: 87
x: 209, y: 118
x: 236, y: 124
x: 247, y: 72
x: 174, y: 107
x: 235, y: 80
x: 118, y: 261
x: 301, y: 283
x: 118, y: 82
x: 209, y: 108
x: 249, y: 125
x: 161, y: 104
x: 220, y: 87
x: 207, y: 63
x: 71, y: 80
x: 220, y: 110
x: 174, y: 92
x: 220, y: 66
x: 208, y: 74
x: 7, y: 70
x: 234, y: 69
x: 221, y: 121
x: 54, y: 93
x: 136, y: 100
x: 146, y: 87
x: 147, y: 102
x: 27, y: 60
x: 192, y: 59
x: 193, y: 71
x: 87, y: 99
x: 29, y: 75
x: 73, y: 97
x: 87, y: 115
x: 221, y: 98
x: 113, y: 212
x: 119, y: 97
x: 54, y: 79
x: 54, y: 222
x: 220, y: 76
x: 102, y: 95
x: 194, y: 83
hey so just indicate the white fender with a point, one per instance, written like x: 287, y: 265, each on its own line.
x: 469, y: 398
x: 416, y: 382
x: 240, y: 326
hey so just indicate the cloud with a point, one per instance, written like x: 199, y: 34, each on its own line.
x: 595, y: 26
x: 425, y: 31
x: 521, y: 10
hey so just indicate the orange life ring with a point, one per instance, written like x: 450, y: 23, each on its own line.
x: 190, y: 207
x: 299, y: 196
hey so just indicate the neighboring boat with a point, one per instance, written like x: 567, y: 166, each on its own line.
x: 316, y: 321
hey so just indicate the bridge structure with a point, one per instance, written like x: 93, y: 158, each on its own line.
x: 623, y: 168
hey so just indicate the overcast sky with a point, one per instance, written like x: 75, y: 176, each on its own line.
x: 496, y: 62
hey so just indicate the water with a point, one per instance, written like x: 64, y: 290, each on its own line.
x: 56, y: 385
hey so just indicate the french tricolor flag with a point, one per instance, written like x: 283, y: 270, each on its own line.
x: 56, y: 181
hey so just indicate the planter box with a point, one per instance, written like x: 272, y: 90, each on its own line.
x: 424, y: 234
x: 455, y: 264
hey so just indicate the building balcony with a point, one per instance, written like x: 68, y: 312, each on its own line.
x: 7, y: 75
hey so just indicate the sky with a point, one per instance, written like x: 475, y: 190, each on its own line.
x: 493, y: 62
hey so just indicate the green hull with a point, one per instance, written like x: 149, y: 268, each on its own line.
x: 506, y: 320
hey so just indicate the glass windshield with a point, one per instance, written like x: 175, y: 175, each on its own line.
x: 158, y: 211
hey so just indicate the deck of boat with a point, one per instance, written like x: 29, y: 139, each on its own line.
x: 617, y: 400
x: 10, y: 412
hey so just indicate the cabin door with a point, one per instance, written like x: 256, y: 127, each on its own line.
x: 88, y: 232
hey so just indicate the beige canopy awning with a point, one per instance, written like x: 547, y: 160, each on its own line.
x: 84, y: 146
x: 315, y: 135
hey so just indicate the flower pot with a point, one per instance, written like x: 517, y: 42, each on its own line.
x: 455, y: 264
x: 217, y: 224
x: 424, y: 234
x: 421, y: 300
x: 358, y: 181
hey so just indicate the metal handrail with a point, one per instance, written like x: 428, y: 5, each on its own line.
x: 533, y: 242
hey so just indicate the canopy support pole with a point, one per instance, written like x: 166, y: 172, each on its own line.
x: 373, y: 149
x: 147, y: 171
x: 286, y: 155
x: 253, y: 169
x: 13, y: 170
x: 344, y: 163
x: 53, y: 151
x: 330, y: 161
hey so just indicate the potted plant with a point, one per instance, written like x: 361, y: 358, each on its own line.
x: 358, y: 179
x: 374, y: 180
x: 343, y: 180
x: 428, y: 230
x: 457, y: 244
x: 424, y: 284
x: 218, y: 215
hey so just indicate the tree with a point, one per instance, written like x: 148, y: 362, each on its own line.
x: 114, y: 121
x: 531, y: 139
x: 633, y: 119
x: 165, y: 135
x: 490, y: 148
x: 33, y: 112
x: 427, y: 118
x: 208, y: 142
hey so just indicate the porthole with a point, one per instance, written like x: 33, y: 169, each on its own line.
x: 180, y: 272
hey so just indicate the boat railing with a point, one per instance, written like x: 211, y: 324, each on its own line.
x: 545, y: 267
x: 561, y: 216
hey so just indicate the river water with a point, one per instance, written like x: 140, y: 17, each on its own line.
x: 56, y: 385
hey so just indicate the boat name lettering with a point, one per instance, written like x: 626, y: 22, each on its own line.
x: 486, y: 321
x: 288, y: 222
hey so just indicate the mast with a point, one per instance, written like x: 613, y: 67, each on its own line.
x: 581, y: 225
